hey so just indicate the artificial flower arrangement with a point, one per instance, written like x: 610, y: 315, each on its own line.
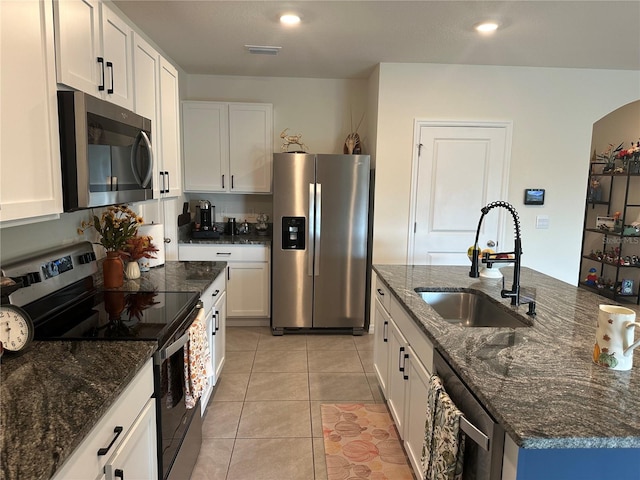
x: 116, y: 226
x: 140, y: 247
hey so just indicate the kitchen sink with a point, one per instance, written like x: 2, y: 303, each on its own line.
x: 472, y: 309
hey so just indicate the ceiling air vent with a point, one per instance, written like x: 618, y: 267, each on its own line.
x: 262, y: 49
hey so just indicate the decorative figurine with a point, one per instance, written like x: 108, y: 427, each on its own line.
x: 291, y: 140
x: 592, y: 278
x: 352, y: 143
x: 595, y: 190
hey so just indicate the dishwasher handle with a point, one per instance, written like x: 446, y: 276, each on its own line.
x: 474, y: 433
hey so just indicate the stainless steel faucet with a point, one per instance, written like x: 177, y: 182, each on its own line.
x: 490, y: 259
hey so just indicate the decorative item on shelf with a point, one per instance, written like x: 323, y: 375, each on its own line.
x: 626, y: 287
x: 617, y: 225
x: 292, y: 140
x: 595, y: 190
x: 605, y: 223
x: 609, y: 157
x: 261, y: 226
x: 352, y: 143
x: 592, y: 277
x: 117, y: 224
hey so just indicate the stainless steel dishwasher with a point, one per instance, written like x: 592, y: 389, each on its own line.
x: 484, y: 445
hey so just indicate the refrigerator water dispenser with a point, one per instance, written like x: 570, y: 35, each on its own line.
x: 293, y: 233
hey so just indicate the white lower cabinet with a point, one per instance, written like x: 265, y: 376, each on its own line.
x: 248, y: 275
x: 123, y: 440
x: 416, y: 391
x: 381, y: 321
x: 132, y: 460
x: 396, y: 382
x: 403, y: 362
x: 214, y: 303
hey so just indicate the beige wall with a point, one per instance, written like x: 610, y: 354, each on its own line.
x: 320, y: 109
x: 552, y: 111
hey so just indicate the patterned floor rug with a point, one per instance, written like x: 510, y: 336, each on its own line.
x: 361, y: 441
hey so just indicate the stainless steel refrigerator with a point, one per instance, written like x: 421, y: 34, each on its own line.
x: 320, y: 241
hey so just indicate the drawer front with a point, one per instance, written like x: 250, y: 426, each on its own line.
x: 223, y: 253
x: 85, y: 461
x: 214, y: 291
x: 382, y: 294
x: 417, y: 338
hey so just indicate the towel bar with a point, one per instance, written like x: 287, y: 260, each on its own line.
x: 474, y: 433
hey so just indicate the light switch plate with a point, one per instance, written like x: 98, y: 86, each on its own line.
x: 542, y: 221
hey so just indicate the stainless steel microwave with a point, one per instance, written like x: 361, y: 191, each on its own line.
x: 106, y: 153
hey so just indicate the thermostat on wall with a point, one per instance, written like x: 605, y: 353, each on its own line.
x: 534, y: 196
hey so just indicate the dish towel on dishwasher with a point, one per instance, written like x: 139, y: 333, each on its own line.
x: 443, y: 447
x: 196, y: 361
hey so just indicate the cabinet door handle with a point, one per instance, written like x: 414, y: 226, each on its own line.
x: 222, y: 180
x: 405, y: 376
x: 110, y: 65
x: 118, y: 473
x: 385, y: 331
x: 217, y: 320
x: 215, y: 294
x: 231, y: 182
x: 228, y: 274
x: 224, y: 254
x: 161, y: 182
x: 400, y: 365
x: 168, y: 182
x: 104, y: 450
x: 214, y: 319
x: 101, y: 62
x: 380, y: 292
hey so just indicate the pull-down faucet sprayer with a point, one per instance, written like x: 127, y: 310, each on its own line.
x: 488, y: 259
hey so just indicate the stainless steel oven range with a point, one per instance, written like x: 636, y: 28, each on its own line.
x: 59, y: 294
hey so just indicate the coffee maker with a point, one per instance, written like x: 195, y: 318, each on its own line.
x: 205, y: 221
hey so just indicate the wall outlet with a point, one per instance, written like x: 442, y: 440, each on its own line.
x: 542, y: 221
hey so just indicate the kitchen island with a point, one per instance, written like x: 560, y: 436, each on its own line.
x: 538, y: 382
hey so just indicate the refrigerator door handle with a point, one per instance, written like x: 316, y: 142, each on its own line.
x: 312, y: 198
x: 318, y: 230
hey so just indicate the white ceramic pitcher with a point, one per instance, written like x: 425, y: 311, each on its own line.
x: 614, y: 337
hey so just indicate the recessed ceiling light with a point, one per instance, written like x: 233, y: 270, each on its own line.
x: 289, y: 19
x: 486, y: 27
x: 262, y: 49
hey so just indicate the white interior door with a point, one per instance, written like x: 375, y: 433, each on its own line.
x: 458, y: 169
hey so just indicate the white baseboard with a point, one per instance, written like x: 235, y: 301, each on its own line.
x: 248, y: 322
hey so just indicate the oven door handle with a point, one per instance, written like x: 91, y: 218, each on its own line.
x: 174, y: 347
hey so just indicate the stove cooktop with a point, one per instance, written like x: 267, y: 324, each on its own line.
x: 112, y: 315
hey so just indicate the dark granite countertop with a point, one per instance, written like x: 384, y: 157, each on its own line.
x: 249, y: 239
x: 53, y: 394
x: 539, y: 382
x: 173, y: 277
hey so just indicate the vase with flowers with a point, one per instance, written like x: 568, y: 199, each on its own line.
x: 137, y: 248
x: 117, y: 224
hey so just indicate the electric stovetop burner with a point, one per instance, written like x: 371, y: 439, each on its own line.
x: 114, y: 315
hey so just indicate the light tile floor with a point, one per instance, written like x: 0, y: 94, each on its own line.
x: 263, y: 420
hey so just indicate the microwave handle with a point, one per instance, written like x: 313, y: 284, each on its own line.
x: 143, y: 183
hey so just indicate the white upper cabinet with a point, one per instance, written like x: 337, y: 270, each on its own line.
x: 156, y: 97
x: 94, y: 50
x: 227, y: 147
x: 250, y: 147
x: 205, y: 146
x: 30, y: 182
x: 171, y: 171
